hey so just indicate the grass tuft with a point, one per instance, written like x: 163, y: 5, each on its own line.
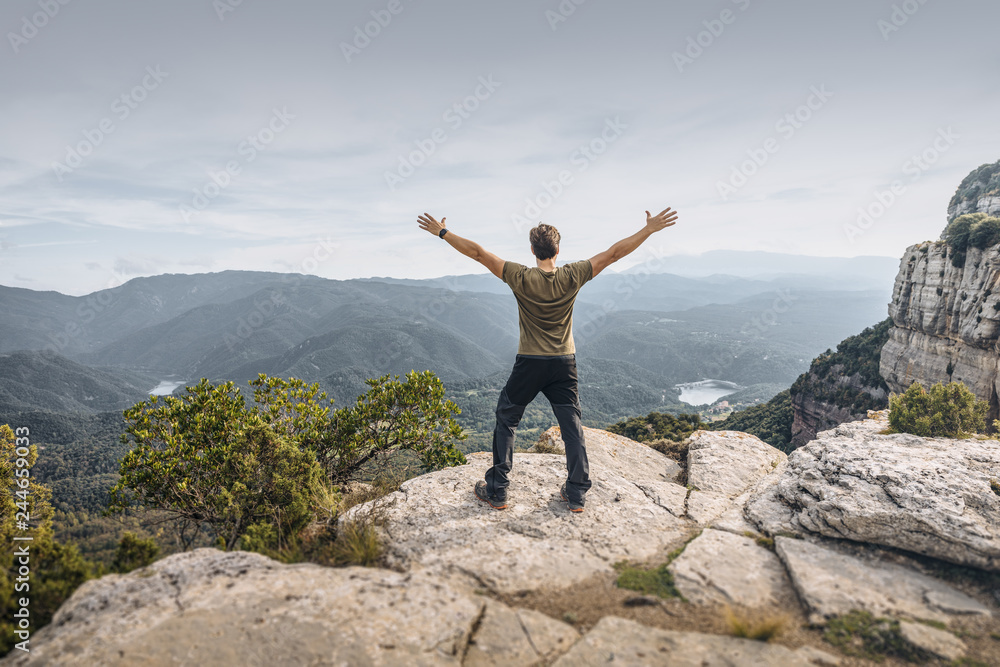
x: 755, y: 625
x: 657, y: 581
x: 357, y: 543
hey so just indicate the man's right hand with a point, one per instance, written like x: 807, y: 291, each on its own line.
x: 666, y: 218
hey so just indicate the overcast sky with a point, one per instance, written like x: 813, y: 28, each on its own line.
x: 120, y: 119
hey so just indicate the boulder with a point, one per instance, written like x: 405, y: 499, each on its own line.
x: 212, y: 607
x: 729, y: 462
x: 634, y: 511
x: 722, y: 465
x: 517, y: 637
x: 932, y: 496
x: 831, y: 583
x: 721, y: 568
x: 617, y: 641
x: 939, y: 643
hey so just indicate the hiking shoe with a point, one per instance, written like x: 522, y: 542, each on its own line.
x: 573, y: 507
x: 494, y: 502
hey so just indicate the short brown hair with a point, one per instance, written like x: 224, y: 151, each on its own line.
x: 544, y: 241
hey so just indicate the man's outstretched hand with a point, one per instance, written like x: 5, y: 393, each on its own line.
x: 428, y: 223
x: 655, y: 223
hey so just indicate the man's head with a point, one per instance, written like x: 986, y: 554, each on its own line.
x: 544, y: 241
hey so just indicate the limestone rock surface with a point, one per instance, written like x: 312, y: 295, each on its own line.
x: 831, y: 583
x: 940, y: 643
x: 211, y: 607
x: 931, y: 496
x: 617, y: 641
x: 721, y: 568
x: 729, y: 462
x: 634, y: 511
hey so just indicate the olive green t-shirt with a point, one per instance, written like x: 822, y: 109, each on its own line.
x: 545, y: 305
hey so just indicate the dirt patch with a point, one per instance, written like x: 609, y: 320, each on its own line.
x: 585, y: 604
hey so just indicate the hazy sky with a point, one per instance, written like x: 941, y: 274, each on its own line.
x: 120, y: 119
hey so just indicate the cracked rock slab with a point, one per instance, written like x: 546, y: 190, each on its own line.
x: 517, y: 637
x: 931, y: 496
x: 620, y: 642
x: 831, y: 583
x: 212, y: 607
x: 634, y: 511
x: 721, y: 568
x: 729, y: 462
x: 940, y: 643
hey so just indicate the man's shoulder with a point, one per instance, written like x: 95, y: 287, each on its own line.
x: 582, y: 270
x: 512, y: 270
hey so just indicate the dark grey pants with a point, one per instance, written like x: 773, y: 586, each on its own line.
x: 555, y: 377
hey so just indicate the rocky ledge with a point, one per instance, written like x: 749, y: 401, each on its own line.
x: 818, y: 533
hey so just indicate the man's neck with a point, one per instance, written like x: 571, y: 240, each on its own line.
x: 546, y: 264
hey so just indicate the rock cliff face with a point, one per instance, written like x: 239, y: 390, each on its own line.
x: 946, y: 321
x: 947, y: 318
x: 840, y: 386
x: 812, y: 414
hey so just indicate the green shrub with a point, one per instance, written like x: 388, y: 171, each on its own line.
x: 947, y: 410
x: 134, y: 552
x: 657, y: 426
x: 213, y: 461
x: 862, y: 635
x: 972, y: 230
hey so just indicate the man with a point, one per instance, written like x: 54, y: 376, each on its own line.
x: 546, y: 354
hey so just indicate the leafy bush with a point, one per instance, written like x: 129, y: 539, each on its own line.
x: 263, y: 469
x: 947, y: 410
x: 657, y: 426
x: 134, y: 552
x: 973, y: 230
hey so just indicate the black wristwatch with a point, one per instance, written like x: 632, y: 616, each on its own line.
x: 442, y: 233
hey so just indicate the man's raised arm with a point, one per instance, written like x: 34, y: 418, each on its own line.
x: 464, y: 246
x: 654, y: 224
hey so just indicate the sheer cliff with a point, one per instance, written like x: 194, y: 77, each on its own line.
x: 945, y: 305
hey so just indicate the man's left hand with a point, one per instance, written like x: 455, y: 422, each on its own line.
x: 428, y: 223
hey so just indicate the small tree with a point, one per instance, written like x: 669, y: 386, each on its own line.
x: 258, y: 469
x: 947, y: 410
x: 206, y: 460
x: 389, y: 418
x: 56, y: 569
x: 134, y: 552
